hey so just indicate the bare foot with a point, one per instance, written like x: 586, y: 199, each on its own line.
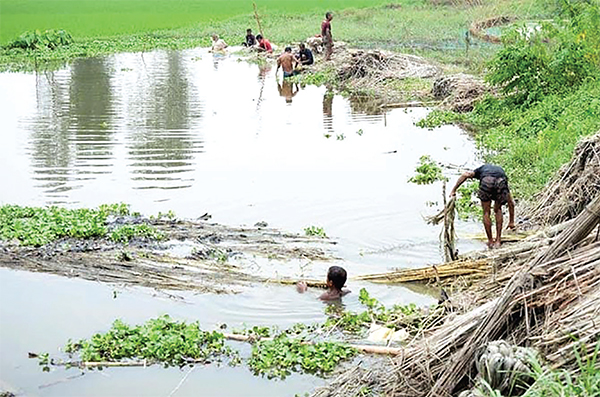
x: 497, y: 244
x: 490, y: 244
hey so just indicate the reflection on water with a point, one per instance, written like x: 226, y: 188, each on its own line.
x: 287, y: 89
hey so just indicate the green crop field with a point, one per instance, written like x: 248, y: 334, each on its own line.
x: 102, y: 18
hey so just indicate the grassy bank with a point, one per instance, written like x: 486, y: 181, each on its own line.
x: 549, y: 83
x: 432, y: 28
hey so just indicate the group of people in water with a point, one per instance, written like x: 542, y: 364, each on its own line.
x: 291, y: 63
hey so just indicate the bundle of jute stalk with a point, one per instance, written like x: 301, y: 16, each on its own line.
x: 573, y: 187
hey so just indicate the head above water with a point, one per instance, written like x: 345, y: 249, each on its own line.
x: 336, y: 275
x: 329, y: 15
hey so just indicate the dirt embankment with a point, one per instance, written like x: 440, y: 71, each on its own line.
x: 208, y: 262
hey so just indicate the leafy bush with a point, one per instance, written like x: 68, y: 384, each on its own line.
x: 554, y: 58
x: 35, y: 40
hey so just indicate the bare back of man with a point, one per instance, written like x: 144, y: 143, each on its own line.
x: 286, y: 61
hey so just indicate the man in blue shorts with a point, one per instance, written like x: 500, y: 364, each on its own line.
x: 493, y: 186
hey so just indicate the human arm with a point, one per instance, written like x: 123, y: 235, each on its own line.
x: 466, y: 175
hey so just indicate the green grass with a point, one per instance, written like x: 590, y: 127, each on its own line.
x: 102, y: 18
x: 104, y: 27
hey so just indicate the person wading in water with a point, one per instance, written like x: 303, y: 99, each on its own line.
x: 493, y: 185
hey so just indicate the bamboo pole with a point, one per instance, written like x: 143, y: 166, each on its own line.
x: 257, y: 19
x: 369, y: 349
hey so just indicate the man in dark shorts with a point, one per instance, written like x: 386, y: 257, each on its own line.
x: 326, y: 35
x: 493, y: 185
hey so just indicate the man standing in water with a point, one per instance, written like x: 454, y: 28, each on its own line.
x: 493, y: 185
x: 326, y: 35
x: 286, y: 61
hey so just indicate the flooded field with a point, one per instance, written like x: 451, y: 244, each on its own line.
x: 196, y: 133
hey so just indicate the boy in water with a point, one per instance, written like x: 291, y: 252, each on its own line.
x: 336, y: 278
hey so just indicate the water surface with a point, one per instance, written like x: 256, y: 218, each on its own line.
x: 193, y: 133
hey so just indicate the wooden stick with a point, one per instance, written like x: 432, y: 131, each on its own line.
x: 369, y: 349
x: 257, y: 19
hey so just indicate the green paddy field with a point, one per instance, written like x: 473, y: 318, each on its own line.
x: 101, y: 18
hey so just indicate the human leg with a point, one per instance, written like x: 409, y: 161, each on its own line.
x: 487, y: 221
x: 499, y: 220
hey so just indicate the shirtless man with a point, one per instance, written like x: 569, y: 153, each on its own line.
x: 287, y: 62
x: 493, y: 185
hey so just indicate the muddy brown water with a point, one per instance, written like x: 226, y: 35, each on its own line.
x: 193, y: 133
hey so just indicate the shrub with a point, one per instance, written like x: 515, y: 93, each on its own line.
x: 35, y: 40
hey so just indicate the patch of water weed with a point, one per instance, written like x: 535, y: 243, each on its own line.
x: 427, y: 172
x: 437, y: 118
x: 317, y: 231
x: 277, y: 358
x: 407, y: 317
x: 38, y: 226
x: 467, y: 203
x: 161, y: 340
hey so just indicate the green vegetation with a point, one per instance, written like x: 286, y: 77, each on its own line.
x: 282, y: 355
x: 408, y: 317
x: 299, y: 348
x: 39, y: 226
x: 160, y: 340
x: 549, y: 103
x: 109, y: 26
x: 428, y: 172
x: 585, y: 382
x: 35, y: 40
x: 315, y: 231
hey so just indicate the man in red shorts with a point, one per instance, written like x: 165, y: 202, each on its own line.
x: 493, y: 185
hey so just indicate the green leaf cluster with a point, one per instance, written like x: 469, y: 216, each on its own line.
x: 409, y: 317
x: 34, y: 40
x: 38, y: 226
x: 315, y: 231
x: 278, y: 357
x: 427, y: 172
x: 162, y: 340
